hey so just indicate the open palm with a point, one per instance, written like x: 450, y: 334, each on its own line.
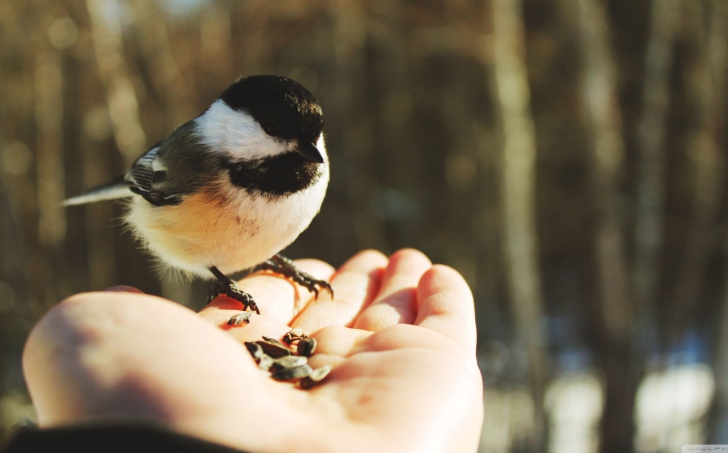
x: 400, y: 334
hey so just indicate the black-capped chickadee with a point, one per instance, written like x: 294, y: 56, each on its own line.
x: 229, y: 189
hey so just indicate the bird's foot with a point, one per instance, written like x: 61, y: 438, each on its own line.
x: 285, y: 267
x: 225, y: 285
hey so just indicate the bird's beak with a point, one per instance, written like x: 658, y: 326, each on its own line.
x: 310, y: 152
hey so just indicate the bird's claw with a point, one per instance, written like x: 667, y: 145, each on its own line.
x: 228, y: 287
x: 287, y: 268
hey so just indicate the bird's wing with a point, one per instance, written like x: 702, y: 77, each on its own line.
x: 140, y: 176
x: 148, y: 178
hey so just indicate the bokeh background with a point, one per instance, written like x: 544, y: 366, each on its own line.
x: 567, y: 156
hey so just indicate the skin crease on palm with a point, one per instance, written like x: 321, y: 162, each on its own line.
x: 400, y: 334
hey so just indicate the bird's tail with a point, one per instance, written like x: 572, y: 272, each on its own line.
x: 111, y: 191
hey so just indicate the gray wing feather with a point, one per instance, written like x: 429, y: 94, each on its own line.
x: 141, y: 175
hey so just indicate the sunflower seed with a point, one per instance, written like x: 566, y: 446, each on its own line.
x: 265, y: 362
x: 255, y: 350
x: 289, y: 361
x: 290, y: 374
x: 315, y: 376
x: 274, y: 348
x: 241, y: 318
x: 306, y: 347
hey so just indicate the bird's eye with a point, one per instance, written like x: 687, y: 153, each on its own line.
x: 270, y: 129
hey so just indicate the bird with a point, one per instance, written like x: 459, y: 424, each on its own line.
x: 229, y: 189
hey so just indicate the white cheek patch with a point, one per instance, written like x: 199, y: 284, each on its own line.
x: 322, y: 147
x: 236, y: 133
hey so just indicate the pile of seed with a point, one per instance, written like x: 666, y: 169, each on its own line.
x: 287, y: 360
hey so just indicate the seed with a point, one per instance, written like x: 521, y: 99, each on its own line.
x: 315, y: 376
x: 289, y: 361
x: 265, y: 362
x: 274, y: 348
x: 289, y: 364
x: 293, y: 335
x: 255, y: 350
x: 240, y: 318
x: 306, y: 347
x: 290, y: 374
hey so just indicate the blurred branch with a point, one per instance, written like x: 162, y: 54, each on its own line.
x: 518, y: 194
x: 651, y: 130
x: 120, y: 94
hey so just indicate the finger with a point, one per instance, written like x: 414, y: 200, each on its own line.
x: 355, y: 284
x: 396, y: 302
x: 338, y: 340
x: 445, y: 305
x: 276, y: 296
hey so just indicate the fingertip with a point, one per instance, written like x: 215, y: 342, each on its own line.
x: 367, y: 258
x: 409, y: 254
x: 396, y: 302
x: 58, y: 324
x: 446, y: 305
x: 355, y: 284
x: 222, y: 302
x: 123, y: 289
x: 367, y: 262
x: 442, y: 278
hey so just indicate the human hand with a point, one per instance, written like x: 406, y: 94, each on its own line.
x: 400, y: 334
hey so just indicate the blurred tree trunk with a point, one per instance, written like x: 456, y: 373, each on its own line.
x: 518, y: 196
x: 102, y: 260
x: 49, y: 120
x: 350, y: 73
x: 120, y: 94
x: 651, y: 186
x: 705, y: 78
x: 164, y: 70
x: 17, y: 188
x: 710, y: 79
x: 255, y: 17
x: 462, y: 222
x: 600, y: 105
x: 48, y: 79
x: 395, y: 110
x: 461, y: 172
x: 7, y: 296
x: 216, y: 46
